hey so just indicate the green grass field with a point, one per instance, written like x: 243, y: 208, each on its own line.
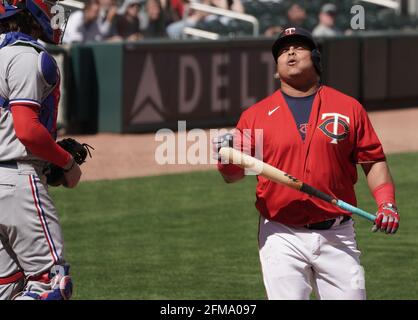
x: 191, y: 236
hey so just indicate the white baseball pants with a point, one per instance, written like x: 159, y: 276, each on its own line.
x: 297, y: 261
x: 30, y: 234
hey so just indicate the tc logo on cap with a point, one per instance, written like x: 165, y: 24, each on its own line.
x: 289, y: 31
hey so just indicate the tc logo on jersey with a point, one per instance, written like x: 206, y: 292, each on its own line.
x: 336, y: 126
x: 303, y: 128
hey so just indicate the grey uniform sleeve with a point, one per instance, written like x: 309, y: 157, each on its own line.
x: 24, y: 80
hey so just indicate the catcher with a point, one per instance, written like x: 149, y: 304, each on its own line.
x: 32, y: 264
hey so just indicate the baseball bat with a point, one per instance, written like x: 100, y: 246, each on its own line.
x: 264, y: 169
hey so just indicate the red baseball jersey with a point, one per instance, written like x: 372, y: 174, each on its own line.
x: 339, y: 135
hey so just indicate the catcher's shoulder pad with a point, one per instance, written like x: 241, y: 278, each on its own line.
x: 48, y: 68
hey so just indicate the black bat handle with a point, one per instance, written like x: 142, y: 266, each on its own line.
x: 315, y: 192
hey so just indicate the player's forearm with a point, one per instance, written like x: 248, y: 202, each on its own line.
x: 377, y: 174
x: 34, y: 136
x: 380, y: 182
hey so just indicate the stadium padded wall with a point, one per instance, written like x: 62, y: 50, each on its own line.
x: 109, y: 65
x: 82, y: 91
x: 205, y: 83
x: 148, y: 85
x: 95, y: 88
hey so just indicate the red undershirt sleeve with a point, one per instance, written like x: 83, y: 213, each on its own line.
x: 35, y: 137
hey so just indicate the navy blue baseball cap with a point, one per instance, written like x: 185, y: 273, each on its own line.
x: 292, y: 34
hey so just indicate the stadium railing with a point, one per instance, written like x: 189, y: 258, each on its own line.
x: 220, y: 12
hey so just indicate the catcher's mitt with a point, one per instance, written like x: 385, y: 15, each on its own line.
x: 79, y: 151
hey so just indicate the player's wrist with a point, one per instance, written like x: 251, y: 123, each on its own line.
x: 385, y: 194
x: 70, y: 165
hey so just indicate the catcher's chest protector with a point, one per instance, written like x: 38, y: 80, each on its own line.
x: 49, y: 106
x: 49, y: 111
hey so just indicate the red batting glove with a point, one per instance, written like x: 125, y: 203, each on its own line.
x: 387, y: 218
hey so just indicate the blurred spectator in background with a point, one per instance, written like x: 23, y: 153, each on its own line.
x: 273, y: 31
x: 234, y: 5
x: 171, y: 10
x: 127, y: 22
x: 83, y: 25
x: 326, y: 26
x: 178, y: 7
x: 106, y: 20
x: 296, y: 17
x: 175, y: 30
x: 157, y: 20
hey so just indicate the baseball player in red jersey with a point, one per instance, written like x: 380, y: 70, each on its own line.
x: 32, y: 264
x: 318, y: 135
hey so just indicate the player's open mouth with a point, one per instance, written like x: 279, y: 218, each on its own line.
x: 291, y: 62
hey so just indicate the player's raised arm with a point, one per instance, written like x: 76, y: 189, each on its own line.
x: 241, y: 138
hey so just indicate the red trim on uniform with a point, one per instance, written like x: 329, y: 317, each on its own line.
x: 44, y: 278
x: 13, y: 278
x: 40, y: 218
